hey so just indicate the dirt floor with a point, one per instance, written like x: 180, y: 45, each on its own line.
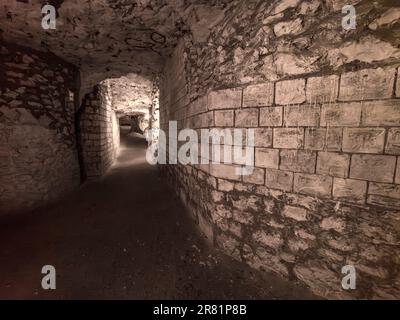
x: 124, y: 237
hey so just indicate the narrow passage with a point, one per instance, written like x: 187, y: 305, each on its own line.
x: 124, y: 237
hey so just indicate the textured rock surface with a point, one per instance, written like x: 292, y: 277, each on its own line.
x: 38, y: 158
x: 325, y: 191
x: 131, y: 94
x: 108, y: 38
x: 245, y: 48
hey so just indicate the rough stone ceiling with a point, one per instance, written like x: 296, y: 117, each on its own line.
x: 131, y: 94
x: 110, y: 37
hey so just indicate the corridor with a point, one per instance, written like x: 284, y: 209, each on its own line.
x: 304, y: 194
x: 124, y: 237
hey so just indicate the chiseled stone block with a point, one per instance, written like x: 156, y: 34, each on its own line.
x: 384, y: 194
x: 203, y: 120
x: 290, y: 92
x: 288, y: 138
x: 246, y: 118
x: 267, y: 158
x: 323, y: 139
x: 378, y: 168
x: 349, y: 190
x: 341, y: 114
x: 225, y: 171
x: 258, y: 95
x: 315, y: 138
x: 333, y: 164
x: 224, y: 118
x: 302, y: 116
x: 271, y: 117
x: 364, y: 140
x: 197, y: 106
x: 298, y: 160
x: 225, y: 185
x: 263, y: 137
x: 367, y: 84
x: 322, y: 89
x: 393, y: 141
x: 381, y: 113
x: 312, y: 184
x: 225, y: 99
x: 278, y: 179
x: 256, y: 177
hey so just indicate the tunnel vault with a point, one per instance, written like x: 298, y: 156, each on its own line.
x: 324, y: 103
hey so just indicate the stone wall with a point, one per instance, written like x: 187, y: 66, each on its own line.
x: 325, y: 106
x: 38, y: 158
x: 99, y: 132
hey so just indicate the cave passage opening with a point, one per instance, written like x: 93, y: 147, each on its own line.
x: 128, y: 105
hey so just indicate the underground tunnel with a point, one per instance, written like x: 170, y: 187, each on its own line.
x: 87, y: 88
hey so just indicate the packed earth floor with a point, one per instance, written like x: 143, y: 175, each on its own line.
x: 111, y: 240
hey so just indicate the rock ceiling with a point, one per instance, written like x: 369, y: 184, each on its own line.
x: 131, y: 94
x: 109, y: 37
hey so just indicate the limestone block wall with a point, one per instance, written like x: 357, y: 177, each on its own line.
x: 38, y: 158
x: 99, y: 128
x: 325, y: 191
